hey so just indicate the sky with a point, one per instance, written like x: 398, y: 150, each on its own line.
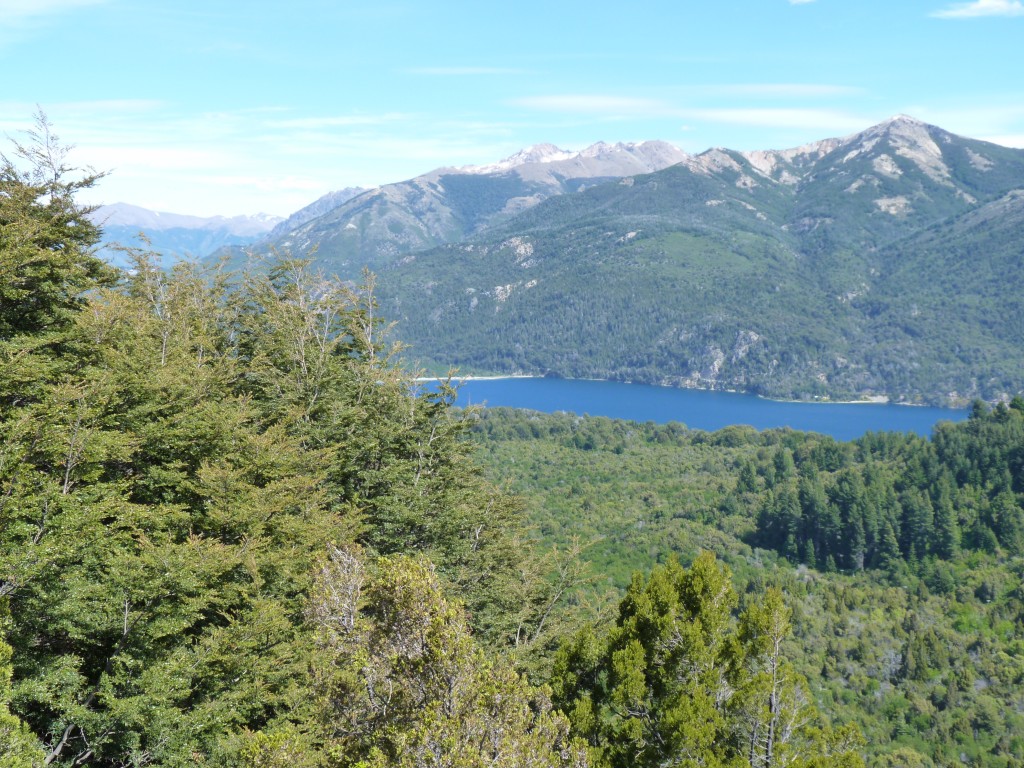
x: 210, y: 107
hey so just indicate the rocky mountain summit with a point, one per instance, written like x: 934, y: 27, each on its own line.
x: 885, y: 263
x: 446, y: 205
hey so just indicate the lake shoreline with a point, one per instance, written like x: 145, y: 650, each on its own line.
x: 701, y: 409
x: 868, y: 400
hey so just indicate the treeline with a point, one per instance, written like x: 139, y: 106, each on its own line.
x: 892, y: 501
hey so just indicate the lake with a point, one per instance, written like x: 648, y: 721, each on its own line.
x: 700, y: 409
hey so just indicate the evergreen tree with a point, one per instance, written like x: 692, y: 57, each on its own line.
x: 947, y: 527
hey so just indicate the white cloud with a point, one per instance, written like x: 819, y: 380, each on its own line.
x: 981, y: 8
x: 338, y: 121
x: 1002, y: 116
x: 1015, y: 140
x: 800, y: 2
x: 780, y: 90
x: 233, y: 162
x: 21, y: 18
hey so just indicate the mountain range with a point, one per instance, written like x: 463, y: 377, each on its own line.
x: 883, y: 264
x: 886, y: 263
x: 385, y: 224
x: 173, y: 235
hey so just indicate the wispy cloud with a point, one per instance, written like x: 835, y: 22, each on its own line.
x: 338, y: 121
x: 23, y: 18
x: 784, y: 90
x: 1009, y: 140
x: 242, y: 161
x: 800, y: 2
x: 981, y: 8
x: 1000, y: 115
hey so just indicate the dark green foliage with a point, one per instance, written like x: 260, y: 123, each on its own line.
x: 903, y: 496
x: 678, y: 680
x: 173, y: 464
x: 18, y: 746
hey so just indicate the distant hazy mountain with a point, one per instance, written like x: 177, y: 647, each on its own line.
x: 318, y: 207
x: 889, y: 262
x: 175, y: 236
x: 381, y: 225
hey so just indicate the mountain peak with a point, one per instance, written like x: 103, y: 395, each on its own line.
x: 535, y: 153
x: 640, y: 157
x: 899, y: 127
x: 904, y: 120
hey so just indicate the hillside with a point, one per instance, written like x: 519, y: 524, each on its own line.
x: 877, y: 264
x: 380, y: 226
x: 910, y: 623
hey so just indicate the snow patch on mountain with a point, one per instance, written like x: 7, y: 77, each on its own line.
x: 636, y: 157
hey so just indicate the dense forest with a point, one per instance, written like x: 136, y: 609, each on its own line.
x: 899, y: 556
x: 235, y: 532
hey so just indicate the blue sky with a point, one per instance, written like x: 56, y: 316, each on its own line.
x: 209, y: 106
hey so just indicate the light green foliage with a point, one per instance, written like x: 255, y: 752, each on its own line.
x: 18, y: 747
x: 403, y: 683
x: 914, y: 683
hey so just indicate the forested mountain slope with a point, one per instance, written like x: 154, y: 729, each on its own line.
x: 882, y: 263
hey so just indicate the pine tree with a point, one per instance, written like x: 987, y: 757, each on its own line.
x: 947, y: 527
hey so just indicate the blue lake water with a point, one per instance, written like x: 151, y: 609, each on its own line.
x: 700, y: 409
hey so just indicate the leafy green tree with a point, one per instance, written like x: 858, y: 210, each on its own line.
x: 18, y: 747
x: 402, y: 682
x: 773, y: 705
x: 681, y: 681
x: 672, y: 667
